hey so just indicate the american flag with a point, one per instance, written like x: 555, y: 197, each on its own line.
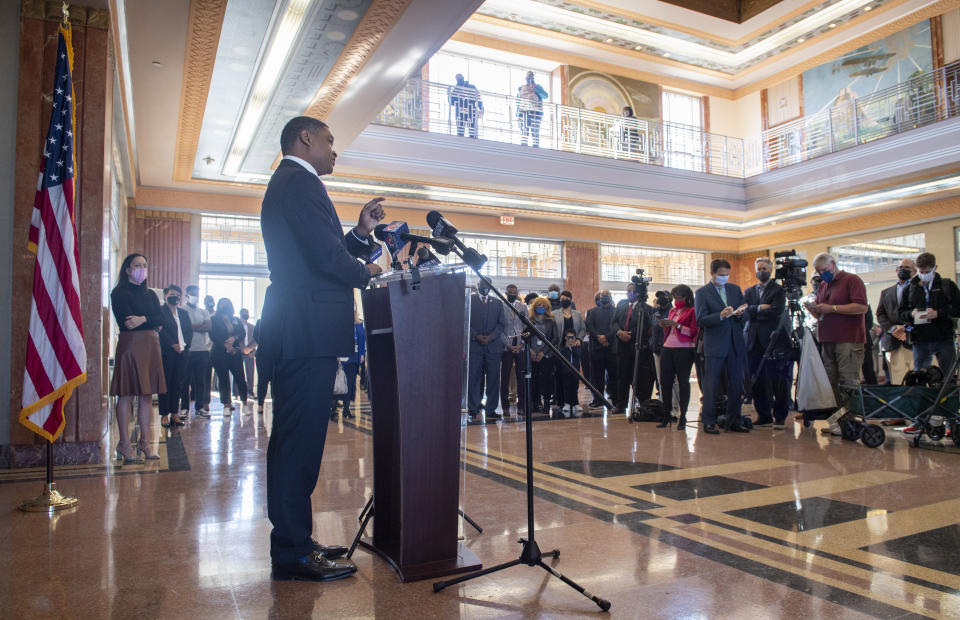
x: 56, y: 358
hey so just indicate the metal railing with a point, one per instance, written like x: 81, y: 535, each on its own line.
x: 438, y: 108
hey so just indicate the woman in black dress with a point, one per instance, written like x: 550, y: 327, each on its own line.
x: 138, y: 369
x: 227, y: 333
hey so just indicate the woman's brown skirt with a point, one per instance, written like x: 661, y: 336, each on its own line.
x: 138, y: 367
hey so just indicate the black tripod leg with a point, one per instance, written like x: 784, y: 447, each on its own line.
x: 440, y: 585
x: 602, y: 603
x: 363, y: 513
x: 470, y: 521
x: 367, y: 515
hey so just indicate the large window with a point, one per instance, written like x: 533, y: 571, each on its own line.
x: 231, y: 241
x: 618, y: 263
x: 516, y: 258
x: 878, y: 255
x: 682, y: 127
x: 486, y: 75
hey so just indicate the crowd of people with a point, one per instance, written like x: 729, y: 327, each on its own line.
x: 739, y: 341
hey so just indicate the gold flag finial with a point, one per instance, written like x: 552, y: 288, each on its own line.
x: 66, y: 13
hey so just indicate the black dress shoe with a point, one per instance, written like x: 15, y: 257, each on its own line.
x: 736, y: 428
x: 493, y: 415
x: 314, y: 567
x: 331, y: 552
x: 711, y: 429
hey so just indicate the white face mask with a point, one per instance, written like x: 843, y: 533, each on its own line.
x: 192, y: 300
x: 928, y: 277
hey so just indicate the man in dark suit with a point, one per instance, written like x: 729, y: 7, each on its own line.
x: 720, y: 306
x: 626, y: 325
x: 306, y: 323
x: 896, y: 347
x: 175, y: 338
x: 487, y: 322
x: 766, y: 304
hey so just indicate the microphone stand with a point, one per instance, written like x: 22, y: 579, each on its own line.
x: 531, y: 554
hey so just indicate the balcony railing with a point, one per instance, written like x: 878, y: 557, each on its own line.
x: 438, y: 108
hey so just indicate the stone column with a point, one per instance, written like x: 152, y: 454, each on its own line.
x: 86, y: 411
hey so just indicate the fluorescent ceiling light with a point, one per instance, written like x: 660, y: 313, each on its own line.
x: 733, y: 60
x: 268, y: 73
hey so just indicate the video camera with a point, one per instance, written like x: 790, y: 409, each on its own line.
x: 640, y: 285
x: 791, y: 272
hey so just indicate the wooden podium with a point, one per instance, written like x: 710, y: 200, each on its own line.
x: 415, y: 361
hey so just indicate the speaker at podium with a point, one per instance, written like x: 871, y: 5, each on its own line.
x: 416, y: 335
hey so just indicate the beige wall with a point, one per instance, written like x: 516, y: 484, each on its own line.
x: 950, y: 26
x: 739, y: 118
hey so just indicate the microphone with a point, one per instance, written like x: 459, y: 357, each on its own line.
x: 426, y: 258
x: 442, y: 228
x: 396, y: 235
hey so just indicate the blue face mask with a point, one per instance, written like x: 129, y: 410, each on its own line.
x: 826, y: 276
x: 631, y: 296
x: 606, y: 301
x: 721, y: 280
x: 540, y: 310
x: 553, y: 294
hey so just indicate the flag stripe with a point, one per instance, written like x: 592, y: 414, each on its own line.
x: 48, y: 324
x: 60, y: 248
x: 36, y: 372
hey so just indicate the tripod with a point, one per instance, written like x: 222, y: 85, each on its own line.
x: 791, y: 315
x: 531, y: 554
x: 638, y: 346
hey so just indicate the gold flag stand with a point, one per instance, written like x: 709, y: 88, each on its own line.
x: 50, y: 500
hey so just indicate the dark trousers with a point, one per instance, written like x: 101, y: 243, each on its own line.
x: 350, y: 369
x: 569, y: 387
x: 773, y: 384
x: 227, y: 365
x: 466, y: 120
x: 923, y: 353
x: 544, y: 376
x: 174, y: 371
x: 675, y: 364
x: 713, y: 370
x: 603, y: 363
x: 515, y: 362
x: 198, y: 375
x: 646, y: 375
x: 484, y: 366
x: 263, y: 380
x: 302, y: 393
x: 869, y: 369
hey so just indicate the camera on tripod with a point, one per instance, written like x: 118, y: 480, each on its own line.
x: 640, y: 285
x: 791, y: 272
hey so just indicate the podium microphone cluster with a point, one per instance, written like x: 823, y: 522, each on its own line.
x: 443, y: 229
x: 396, y: 235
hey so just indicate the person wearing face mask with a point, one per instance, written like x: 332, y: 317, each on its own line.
x: 603, y: 346
x: 227, y: 333
x: 487, y: 324
x: 841, y: 304
x: 720, y: 305
x: 766, y: 303
x: 175, y: 339
x: 543, y: 368
x: 197, y: 384
x: 662, y: 307
x: 927, y: 311
x: 249, y: 350
x: 138, y: 364
x: 626, y: 325
x: 512, y: 359
x: 210, y: 305
x: 897, y: 349
x: 677, y: 356
x: 553, y: 294
x: 568, y: 318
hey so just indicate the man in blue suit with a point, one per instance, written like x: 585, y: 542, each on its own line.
x: 720, y: 306
x: 306, y: 324
x: 487, y: 322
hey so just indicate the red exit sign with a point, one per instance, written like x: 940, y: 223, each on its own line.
x: 506, y: 220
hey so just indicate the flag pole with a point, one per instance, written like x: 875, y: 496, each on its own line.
x: 50, y: 500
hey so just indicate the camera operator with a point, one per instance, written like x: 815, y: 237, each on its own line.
x: 766, y: 304
x: 841, y: 304
x: 625, y: 324
x: 928, y: 310
x: 720, y: 306
x: 896, y: 348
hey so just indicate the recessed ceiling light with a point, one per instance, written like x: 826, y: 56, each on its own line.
x: 832, y: 26
x: 609, y: 40
x: 156, y: 63
x: 867, y: 8
x: 637, y: 47
x: 666, y: 54
x: 801, y: 40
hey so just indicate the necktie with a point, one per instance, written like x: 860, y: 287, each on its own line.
x: 629, y: 312
x: 723, y: 294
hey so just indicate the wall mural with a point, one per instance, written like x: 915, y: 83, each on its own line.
x: 602, y: 92
x: 867, y: 69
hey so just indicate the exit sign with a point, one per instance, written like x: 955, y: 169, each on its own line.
x: 506, y: 220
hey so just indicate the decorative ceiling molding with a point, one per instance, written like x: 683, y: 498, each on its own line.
x: 379, y: 20
x: 203, y: 37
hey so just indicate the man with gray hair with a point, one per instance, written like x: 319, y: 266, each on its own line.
x: 840, y: 305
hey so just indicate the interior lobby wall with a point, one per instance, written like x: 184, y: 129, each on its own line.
x: 950, y: 29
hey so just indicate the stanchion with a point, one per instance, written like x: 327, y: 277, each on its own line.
x: 50, y: 500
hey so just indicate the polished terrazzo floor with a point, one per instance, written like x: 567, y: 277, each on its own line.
x: 664, y: 524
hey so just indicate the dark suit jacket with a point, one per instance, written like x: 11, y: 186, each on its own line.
x: 721, y: 337
x: 487, y: 319
x: 619, y: 322
x: 888, y: 316
x: 168, y: 335
x: 760, y: 324
x: 308, y: 307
